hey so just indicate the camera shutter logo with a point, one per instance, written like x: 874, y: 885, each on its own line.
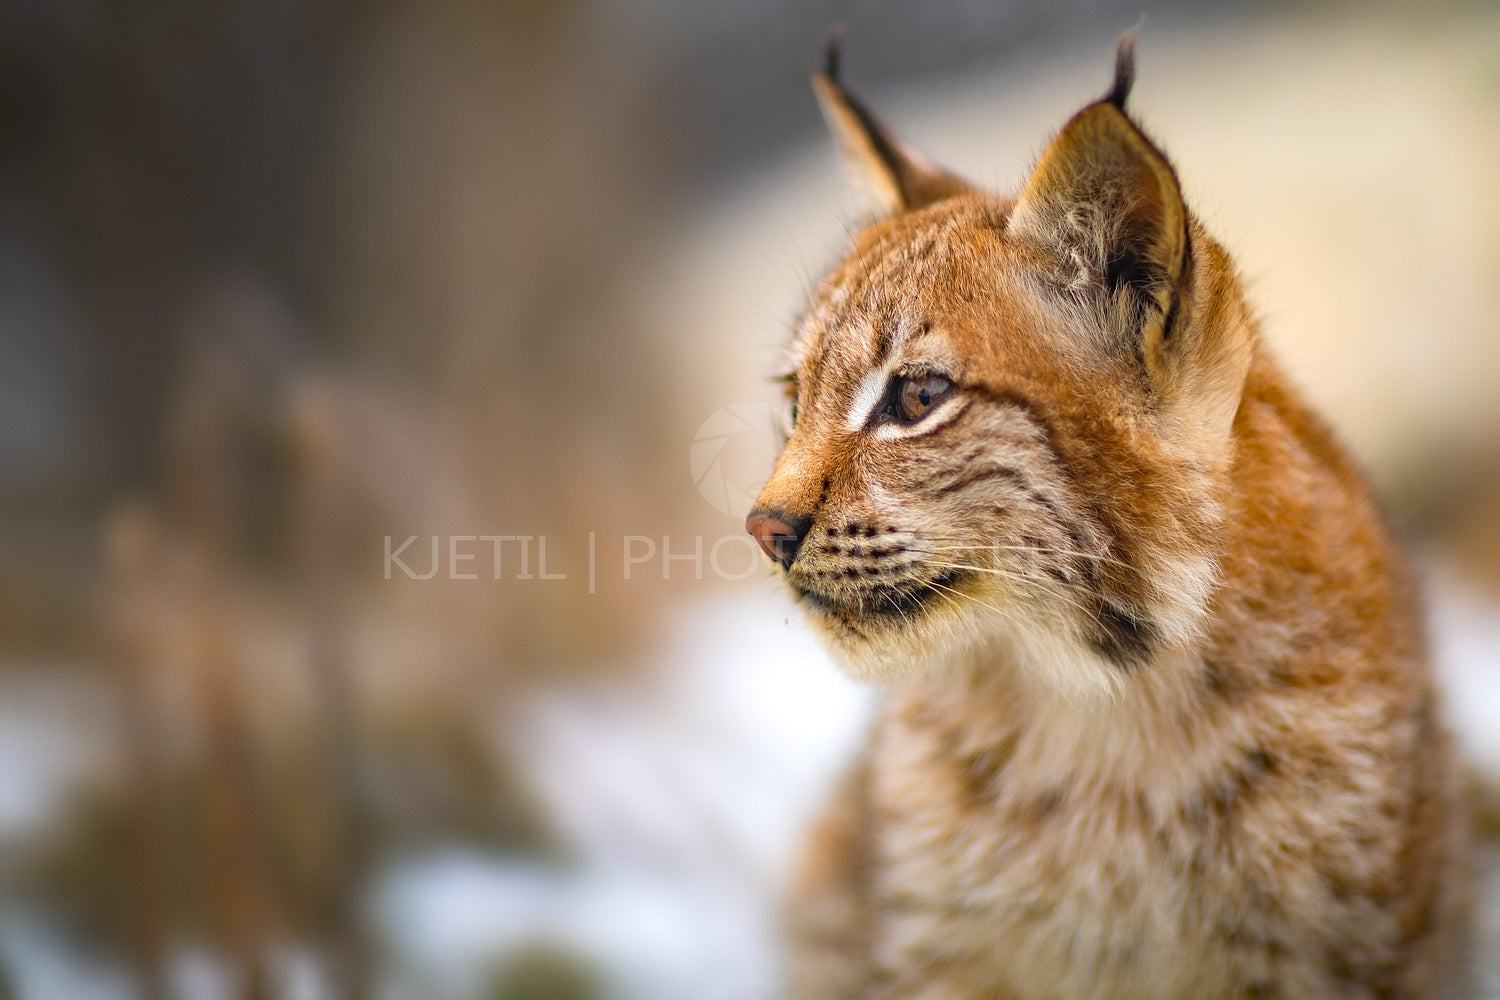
x: 732, y: 455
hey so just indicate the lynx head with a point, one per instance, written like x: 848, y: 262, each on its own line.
x: 1010, y: 418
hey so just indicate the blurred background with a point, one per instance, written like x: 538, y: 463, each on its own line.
x: 382, y: 386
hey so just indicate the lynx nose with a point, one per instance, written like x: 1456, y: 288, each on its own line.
x: 778, y: 533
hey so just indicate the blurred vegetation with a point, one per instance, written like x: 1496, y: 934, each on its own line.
x: 542, y: 972
x: 284, y: 278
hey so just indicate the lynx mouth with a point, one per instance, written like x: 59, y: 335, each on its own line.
x: 883, y: 602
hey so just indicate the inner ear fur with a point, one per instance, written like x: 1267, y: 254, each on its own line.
x: 1106, y: 203
x: 900, y: 178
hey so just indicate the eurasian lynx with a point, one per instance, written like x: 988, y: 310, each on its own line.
x: 1159, y: 719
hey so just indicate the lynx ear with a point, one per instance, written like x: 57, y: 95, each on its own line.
x: 899, y: 177
x: 1107, y: 203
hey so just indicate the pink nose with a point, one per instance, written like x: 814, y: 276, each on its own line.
x: 779, y: 535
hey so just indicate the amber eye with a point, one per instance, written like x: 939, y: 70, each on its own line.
x: 915, y: 397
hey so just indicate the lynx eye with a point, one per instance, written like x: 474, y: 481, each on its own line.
x: 915, y: 396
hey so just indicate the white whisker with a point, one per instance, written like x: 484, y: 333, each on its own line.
x: 1039, y: 550
x: 1032, y: 580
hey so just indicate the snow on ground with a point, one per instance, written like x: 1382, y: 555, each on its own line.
x: 682, y: 801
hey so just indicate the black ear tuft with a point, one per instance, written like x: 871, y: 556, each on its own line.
x: 1124, y: 69
x: 1107, y: 202
x: 833, y: 43
x: 899, y: 177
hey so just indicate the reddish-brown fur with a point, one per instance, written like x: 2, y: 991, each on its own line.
x: 1159, y: 719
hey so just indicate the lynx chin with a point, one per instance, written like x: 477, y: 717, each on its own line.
x: 1158, y: 720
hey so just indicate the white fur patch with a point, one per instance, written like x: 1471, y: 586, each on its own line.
x: 871, y: 391
x: 944, y: 414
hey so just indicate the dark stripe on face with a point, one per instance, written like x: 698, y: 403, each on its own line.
x: 967, y: 479
x: 1124, y: 638
x: 883, y: 327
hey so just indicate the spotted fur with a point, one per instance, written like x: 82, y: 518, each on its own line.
x: 1159, y: 721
